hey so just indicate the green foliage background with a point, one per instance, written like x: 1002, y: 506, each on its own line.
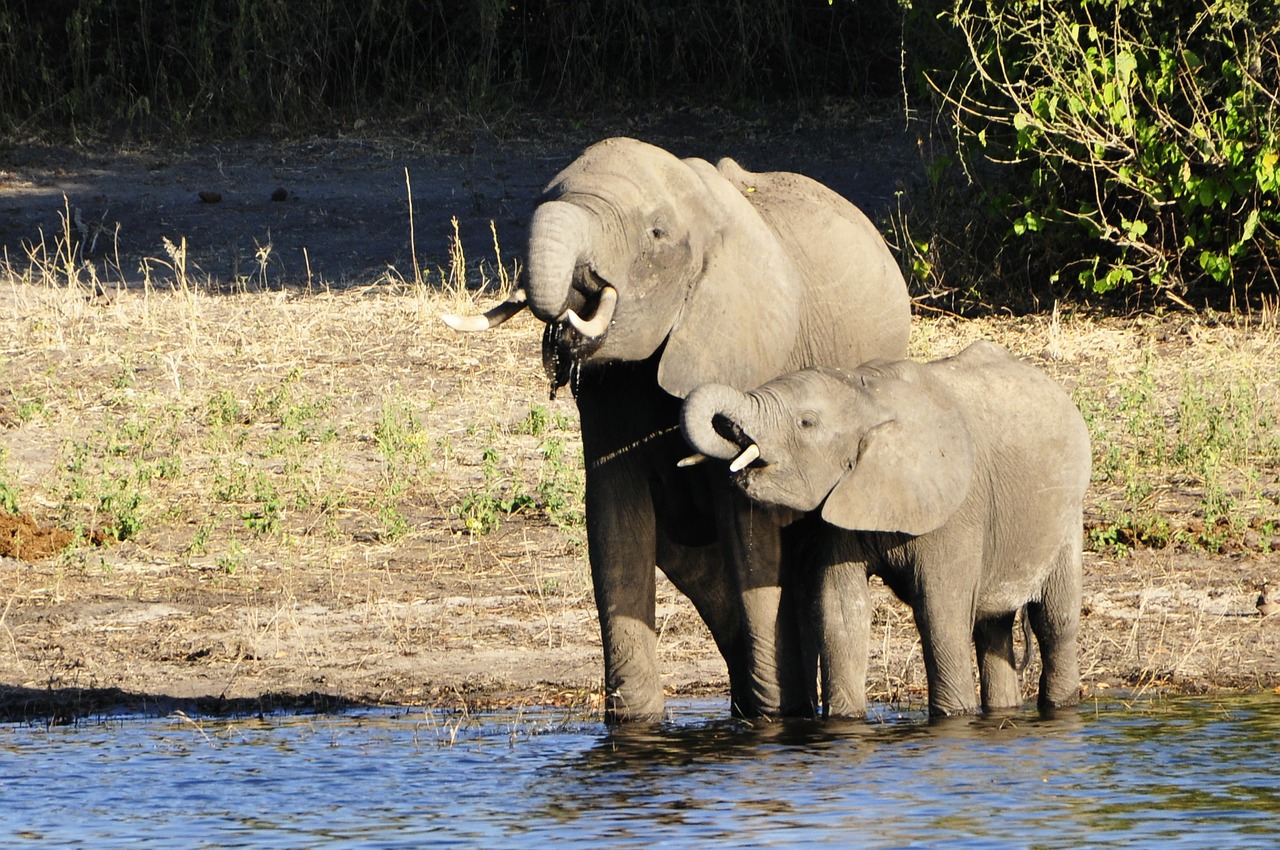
x: 1128, y: 146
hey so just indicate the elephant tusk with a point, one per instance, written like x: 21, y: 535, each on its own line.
x: 599, y: 323
x: 494, y: 317
x: 744, y: 460
x: 692, y: 460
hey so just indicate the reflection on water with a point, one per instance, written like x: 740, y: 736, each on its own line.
x: 1187, y: 772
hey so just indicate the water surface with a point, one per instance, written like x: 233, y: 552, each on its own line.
x: 1168, y: 773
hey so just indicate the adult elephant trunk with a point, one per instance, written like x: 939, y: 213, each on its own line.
x: 559, y: 241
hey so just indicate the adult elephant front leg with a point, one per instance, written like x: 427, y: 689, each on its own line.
x: 780, y: 683
x: 622, y: 545
x: 699, y: 573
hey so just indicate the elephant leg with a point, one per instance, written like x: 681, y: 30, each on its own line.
x: 753, y: 545
x: 948, y: 664
x: 997, y: 662
x: 1055, y: 619
x: 945, y: 601
x: 844, y: 622
x: 700, y: 574
x: 621, y: 543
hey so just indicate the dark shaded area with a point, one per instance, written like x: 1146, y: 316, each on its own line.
x: 246, y: 65
x: 344, y: 217
x: 62, y: 706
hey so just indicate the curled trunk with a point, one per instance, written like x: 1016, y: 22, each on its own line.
x: 697, y: 419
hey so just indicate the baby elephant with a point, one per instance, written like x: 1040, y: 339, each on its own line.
x: 959, y: 482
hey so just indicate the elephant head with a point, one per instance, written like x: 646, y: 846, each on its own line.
x: 875, y: 449
x: 632, y: 250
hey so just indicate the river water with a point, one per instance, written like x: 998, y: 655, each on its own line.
x: 1144, y: 773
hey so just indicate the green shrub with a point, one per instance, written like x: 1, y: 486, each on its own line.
x: 1125, y: 145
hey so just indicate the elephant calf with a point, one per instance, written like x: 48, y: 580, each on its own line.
x: 960, y: 482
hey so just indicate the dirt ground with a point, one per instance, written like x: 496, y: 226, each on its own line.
x: 329, y: 498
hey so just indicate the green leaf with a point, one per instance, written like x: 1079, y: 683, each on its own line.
x: 1250, y: 225
x: 1135, y: 229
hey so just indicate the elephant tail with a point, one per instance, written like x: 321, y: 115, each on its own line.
x: 1027, y: 636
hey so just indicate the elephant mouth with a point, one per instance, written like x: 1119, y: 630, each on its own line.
x: 749, y: 457
x: 572, y: 339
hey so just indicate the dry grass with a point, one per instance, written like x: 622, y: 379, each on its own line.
x: 333, y: 492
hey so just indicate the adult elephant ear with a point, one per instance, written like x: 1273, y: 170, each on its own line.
x: 909, y: 473
x: 741, y: 318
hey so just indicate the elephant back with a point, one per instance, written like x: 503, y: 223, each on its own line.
x: 856, y: 307
x: 1031, y: 427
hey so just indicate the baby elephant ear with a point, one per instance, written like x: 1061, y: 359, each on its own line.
x: 910, y: 474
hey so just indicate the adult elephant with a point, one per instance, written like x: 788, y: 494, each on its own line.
x: 655, y: 274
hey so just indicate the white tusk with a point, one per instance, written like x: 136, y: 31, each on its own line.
x: 692, y: 460
x: 494, y: 317
x: 743, y: 460
x: 599, y: 323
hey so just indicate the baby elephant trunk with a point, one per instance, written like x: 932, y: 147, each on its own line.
x: 698, y: 418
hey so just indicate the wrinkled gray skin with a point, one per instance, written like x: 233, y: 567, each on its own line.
x: 720, y: 276
x: 959, y: 482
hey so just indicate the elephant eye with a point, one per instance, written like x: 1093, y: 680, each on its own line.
x: 657, y: 232
x: 807, y: 422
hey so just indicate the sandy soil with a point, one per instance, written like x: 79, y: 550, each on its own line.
x: 308, y: 472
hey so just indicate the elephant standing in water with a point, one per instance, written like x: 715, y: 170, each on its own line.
x: 655, y: 274
x: 959, y: 482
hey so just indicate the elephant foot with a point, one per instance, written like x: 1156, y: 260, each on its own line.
x: 1068, y: 712
x: 843, y: 704
x: 941, y: 711
x: 622, y: 708
x: 1048, y: 706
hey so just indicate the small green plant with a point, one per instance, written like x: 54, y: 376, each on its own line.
x: 405, y: 448
x: 482, y: 512
x: 399, y: 436
x: 29, y: 403
x: 483, y: 509
x: 8, y: 493
x: 224, y: 409
x: 535, y: 423
x: 264, y: 517
x: 230, y: 480
x: 199, y: 544
x: 120, y: 505
x: 392, y: 520
x: 561, y: 486
x: 231, y: 560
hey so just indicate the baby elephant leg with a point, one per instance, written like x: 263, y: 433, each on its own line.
x: 844, y: 624
x: 997, y: 663
x: 1056, y: 622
